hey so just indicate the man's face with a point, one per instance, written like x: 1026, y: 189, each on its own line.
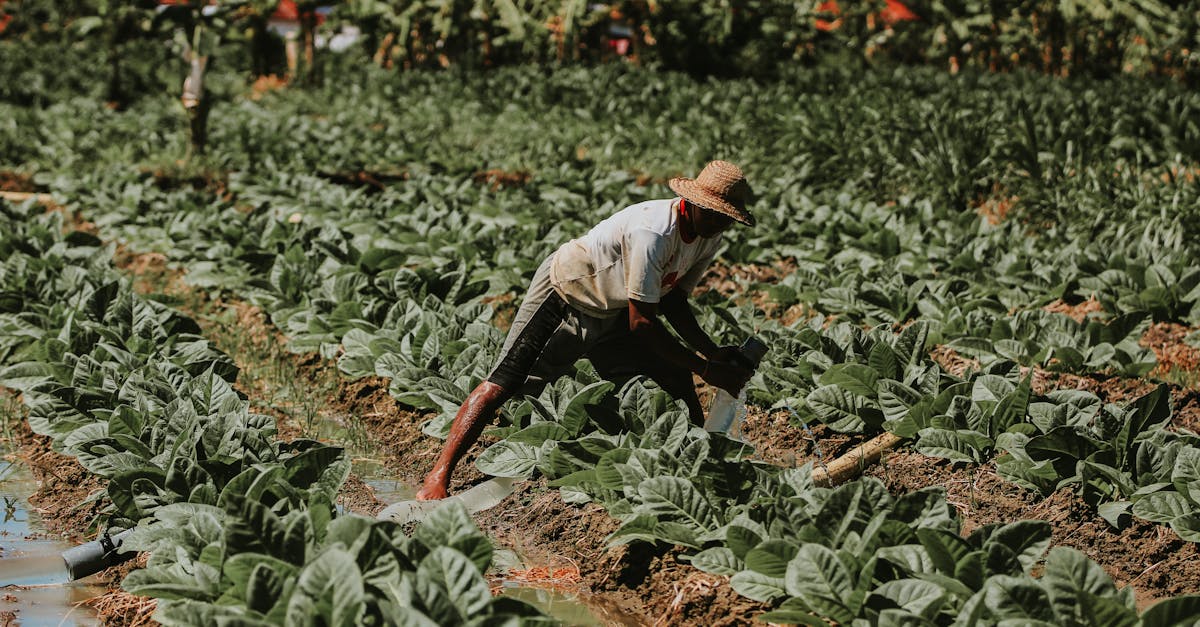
x: 710, y: 223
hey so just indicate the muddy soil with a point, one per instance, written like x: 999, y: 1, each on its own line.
x: 635, y: 584
x: 1176, y: 358
x: 63, y: 486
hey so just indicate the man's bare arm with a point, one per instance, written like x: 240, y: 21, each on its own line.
x: 678, y: 311
x: 644, y: 324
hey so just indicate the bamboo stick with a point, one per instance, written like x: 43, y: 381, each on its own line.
x: 853, y: 463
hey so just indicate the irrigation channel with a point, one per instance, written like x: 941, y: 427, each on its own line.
x: 34, y: 584
x: 397, y: 495
x: 36, y: 588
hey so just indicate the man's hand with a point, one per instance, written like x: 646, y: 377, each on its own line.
x: 726, y: 375
x: 727, y: 354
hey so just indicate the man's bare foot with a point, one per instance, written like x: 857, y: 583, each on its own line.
x: 432, y: 492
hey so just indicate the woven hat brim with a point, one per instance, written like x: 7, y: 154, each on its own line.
x: 691, y: 191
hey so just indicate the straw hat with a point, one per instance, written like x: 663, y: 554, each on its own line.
x: 721, y: 187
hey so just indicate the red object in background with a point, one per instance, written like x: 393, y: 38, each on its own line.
x: 619, y: 45
x: 829, y: 6
x: 895, y: 12
x: 287, y: 11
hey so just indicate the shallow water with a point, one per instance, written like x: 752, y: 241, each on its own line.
x: 566, y: 608
x: 33, y: 577
x: 388, y: 488
x: 366, y: 458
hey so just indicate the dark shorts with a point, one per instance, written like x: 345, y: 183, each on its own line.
x: 548, y: 336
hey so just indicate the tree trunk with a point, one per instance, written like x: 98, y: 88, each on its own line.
x: 115, y: 94
x: 308, y: 35
x: 196, y: 102
x: 260, y: 47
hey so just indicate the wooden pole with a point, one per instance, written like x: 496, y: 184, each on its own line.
x: 45, y: 199
x: 856, y: 461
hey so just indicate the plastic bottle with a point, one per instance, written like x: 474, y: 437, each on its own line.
x: 726, y: 413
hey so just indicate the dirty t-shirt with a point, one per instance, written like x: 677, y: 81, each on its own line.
x: 638, y: 253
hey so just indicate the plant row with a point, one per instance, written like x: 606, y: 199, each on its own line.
x: 1121, y: 459
x: 854, y: 554
x: 239, y: 526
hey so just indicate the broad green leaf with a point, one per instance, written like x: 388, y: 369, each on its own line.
x: 758, y: 586
x: 817, y: 576
x: 718, y: 560
x: 459, y: 577
x: 1162, y: 507
x: 1180, y: 611
x: 854, y: 378
x: 678, y: 499
x: 919, y: 597
x: 507, y: 458
x: 771, y: 557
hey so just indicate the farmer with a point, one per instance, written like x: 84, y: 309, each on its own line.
x: 600, y: 297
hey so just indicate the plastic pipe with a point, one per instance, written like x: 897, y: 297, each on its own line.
x: 92, y: 557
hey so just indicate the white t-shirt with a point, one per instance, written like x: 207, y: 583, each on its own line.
x: 637, y: 253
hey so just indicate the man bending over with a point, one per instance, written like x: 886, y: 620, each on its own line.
x: 600, y: 297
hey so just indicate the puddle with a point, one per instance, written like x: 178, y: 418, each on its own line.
x: 33, y: 577
x: 561, y: 604
x: 388, y: 489
x: 366, y: 459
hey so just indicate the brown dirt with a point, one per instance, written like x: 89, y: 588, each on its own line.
x: 1175, y: 357
x: 1078, y: 311
x: 396, y: 431
x: 635, y: 584
x: 730, y: 281
x: 118, y: 607
x: 17, y: 182
x: 62, y: 486
x: 1109, y: 389
x: 952, y: 362
x: 152, y: 275
x: 266, y: 84
x: 497, y: 179
x: 372, y: 181
x: 177, y: 176
x: 504, y: 308
x: 737, y: 282
x: 778, y: 440
x: 1149, y: 557
x: 995, y: 208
